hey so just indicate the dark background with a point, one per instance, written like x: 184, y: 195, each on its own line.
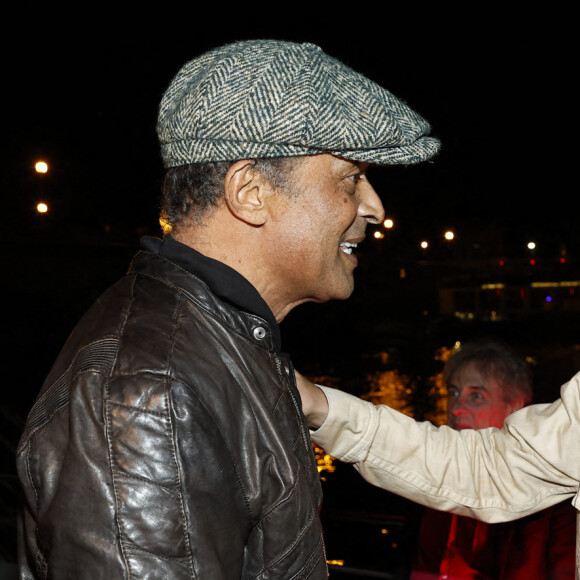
x: 497, y: 86
x: 81, y: 92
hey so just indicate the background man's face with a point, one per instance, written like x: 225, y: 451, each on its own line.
x: 318, y: 228
x: 476, y: 401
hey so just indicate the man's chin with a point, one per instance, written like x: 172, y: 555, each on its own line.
x: 342, y: 292
x: 337, y: 291
x: 343, y: 296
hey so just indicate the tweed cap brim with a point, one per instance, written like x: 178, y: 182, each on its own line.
x: 269, y: 98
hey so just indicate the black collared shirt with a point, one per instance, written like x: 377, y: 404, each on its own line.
x: 223, y: 281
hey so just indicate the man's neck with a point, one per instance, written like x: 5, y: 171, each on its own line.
x: 240, y: 249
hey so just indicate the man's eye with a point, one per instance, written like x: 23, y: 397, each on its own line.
x: 356, y: 177
x: 453, y: 393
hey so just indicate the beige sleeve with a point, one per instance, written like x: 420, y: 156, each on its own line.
x: 494, y: 475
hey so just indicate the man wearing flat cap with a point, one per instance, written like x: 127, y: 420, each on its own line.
x: 168, y: 440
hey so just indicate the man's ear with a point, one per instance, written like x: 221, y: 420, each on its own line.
x: 246, y: 192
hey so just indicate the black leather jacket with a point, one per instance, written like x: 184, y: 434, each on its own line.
x: 168, y: 442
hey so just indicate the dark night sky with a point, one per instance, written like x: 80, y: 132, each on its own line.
x: 496, y: 87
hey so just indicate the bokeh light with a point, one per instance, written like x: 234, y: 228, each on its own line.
x: 41, y: 167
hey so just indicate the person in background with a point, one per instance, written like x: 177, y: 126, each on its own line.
x: 486, y: 381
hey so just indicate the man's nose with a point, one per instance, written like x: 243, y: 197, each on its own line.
x: 371, y: 207
x: 456, y: 406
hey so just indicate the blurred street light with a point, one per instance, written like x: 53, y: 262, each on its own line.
x: 449, y: 235
x: 41, y: 167
x: 388, y: 223
x: 532, y: 248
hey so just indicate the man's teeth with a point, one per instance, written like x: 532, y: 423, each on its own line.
x: 347, y: 247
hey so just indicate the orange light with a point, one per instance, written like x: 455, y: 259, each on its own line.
x: 165, y: 225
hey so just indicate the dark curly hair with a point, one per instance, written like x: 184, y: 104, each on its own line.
x: 190, y: 191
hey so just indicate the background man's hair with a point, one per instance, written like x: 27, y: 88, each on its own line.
x: 496, y: 359
x: 191, y: 191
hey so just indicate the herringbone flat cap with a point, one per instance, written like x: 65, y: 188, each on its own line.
x: 268, y: 98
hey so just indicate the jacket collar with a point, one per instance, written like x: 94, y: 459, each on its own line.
x: 222, y: 280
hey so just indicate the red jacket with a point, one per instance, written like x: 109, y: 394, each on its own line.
x: 539, y: 546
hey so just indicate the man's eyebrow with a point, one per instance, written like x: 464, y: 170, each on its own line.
x: 477, y: 387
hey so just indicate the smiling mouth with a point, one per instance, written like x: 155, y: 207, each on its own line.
x: 347, y: 247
